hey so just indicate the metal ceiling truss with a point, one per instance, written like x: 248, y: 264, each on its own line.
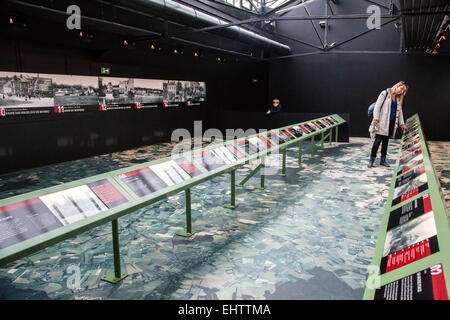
x: 421, y: 20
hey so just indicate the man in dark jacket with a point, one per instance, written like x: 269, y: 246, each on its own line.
x: 275, y: 107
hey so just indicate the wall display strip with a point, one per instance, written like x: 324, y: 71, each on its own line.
x: 38, y: 93
x: 412, y: 255
x: 33, y: 221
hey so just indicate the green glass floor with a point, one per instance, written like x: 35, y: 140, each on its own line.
x: 309, y: 235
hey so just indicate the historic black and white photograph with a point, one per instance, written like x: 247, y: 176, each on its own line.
x: 409, y: 233
x: 181, y: 91
x: 28, y: 90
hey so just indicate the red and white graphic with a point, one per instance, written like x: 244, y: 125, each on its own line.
x: 107, y: 193
x: 188, y: 103
x: 58, y: 109
x: 269, y: 144
x: 304, y: 129
x: 409, y: 194
x: 137, y: 105
x: 132, y: 173
x: 165, y: 104
x: 438, y: 279
x: 2, y: 112
x: 409, y: 254
x: 102, y: 107
x: 405, y: 154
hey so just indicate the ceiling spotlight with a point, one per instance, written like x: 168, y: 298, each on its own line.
x: 81, y: 34
x: 442, y: 38
x: 125, y: 42
x: 195, y: 54
x: 322, y: 23
x: 11, y: 20
x: 175, y: 51
x: 152, y: 46
x: 219, y: 59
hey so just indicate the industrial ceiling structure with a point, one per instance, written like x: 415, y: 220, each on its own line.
x: 235, y: 28
x: 425, y: 25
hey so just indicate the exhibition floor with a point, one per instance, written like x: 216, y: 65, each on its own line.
x: 310, y: 235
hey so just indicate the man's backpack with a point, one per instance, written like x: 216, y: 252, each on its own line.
x: 372, y: 106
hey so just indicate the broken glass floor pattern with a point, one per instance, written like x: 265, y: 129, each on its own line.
x: 309, y: 235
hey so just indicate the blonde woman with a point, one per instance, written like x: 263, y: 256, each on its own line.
x: 387, y: 116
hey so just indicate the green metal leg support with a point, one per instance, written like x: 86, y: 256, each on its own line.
x: 188, y: 232
x: 312, y: 146
x: 336, y: 134
x: 300, y: 154
x: 283, y: 164
x: 261, y: 187
x: 331, y: 136
x: 116, y: 275
x: 232, y: 205
x: 321, y: 140
x: 251, y: 174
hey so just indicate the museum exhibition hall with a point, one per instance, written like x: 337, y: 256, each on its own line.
x: 224, y: 150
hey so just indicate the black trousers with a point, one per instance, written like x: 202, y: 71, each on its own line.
x: 383, y: 140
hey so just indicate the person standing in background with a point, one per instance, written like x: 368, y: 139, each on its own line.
x: 387, y: 115
x: 275, y: 107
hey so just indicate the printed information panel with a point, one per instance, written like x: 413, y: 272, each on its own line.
x: 26, y: 219
x: 428, y: 284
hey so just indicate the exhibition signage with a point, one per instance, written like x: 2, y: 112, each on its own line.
x: 413, y: 248
x: 36, y: 220
x: 38, y: 93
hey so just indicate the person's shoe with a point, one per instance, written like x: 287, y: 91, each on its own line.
x: 384, y: 162
x: 371, y: 161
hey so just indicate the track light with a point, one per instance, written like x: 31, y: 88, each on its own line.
x: 322, y: 23
x: 11, y: 20
x: 125, y: 42
x: 152, y: 46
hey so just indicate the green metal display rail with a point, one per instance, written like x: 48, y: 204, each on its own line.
x: 134, y: 202
x: 442, y: 256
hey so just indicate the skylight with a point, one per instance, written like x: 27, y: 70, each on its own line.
x: 256, y: 6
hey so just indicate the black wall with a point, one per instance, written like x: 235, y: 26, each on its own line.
x: 339, y: 81
x: 349, y: 83
x: 324, y: 83
x: 31, y: 141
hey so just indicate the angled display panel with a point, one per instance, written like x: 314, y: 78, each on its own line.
x: 36, y: 220
x: 413, y: 248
